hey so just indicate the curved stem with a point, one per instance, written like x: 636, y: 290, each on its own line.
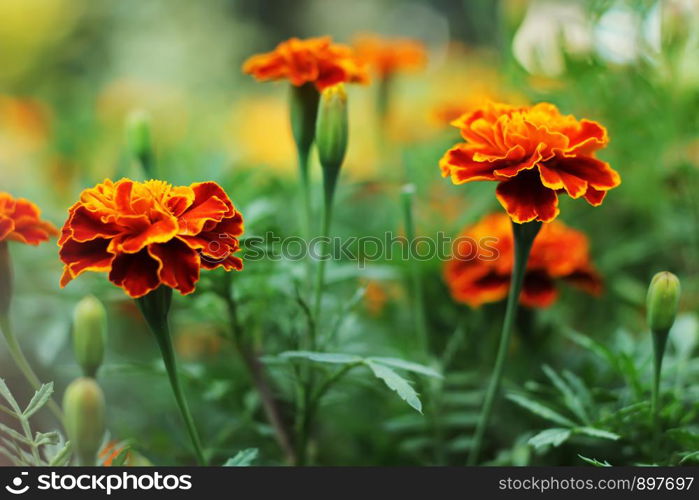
x: 524, y: 235
x: 23, y: 365
x: 155, y: 307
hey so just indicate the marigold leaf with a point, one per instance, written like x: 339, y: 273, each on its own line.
x: 541, y: 410
x: 550, y: 437
x: 598, y: 433
x: 62, y: 457
x: 595, y: 462
x: 243, y: 458
x: 407, y: 365
x: 323, y: 357
x: 396, y: 383
x: 39, y: 399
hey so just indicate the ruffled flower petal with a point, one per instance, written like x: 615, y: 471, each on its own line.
x: 150, y: 234
x: 504, y: 143
x: 558, y: 253
x: 20, y: 220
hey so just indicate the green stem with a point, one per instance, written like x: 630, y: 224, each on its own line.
x: 155, y: 307
x: 23, y: 365
x: 320, y: 276
x: 524, y: 235
x: 303, y: 162
x: 659, y: 341
x: 417, y: 289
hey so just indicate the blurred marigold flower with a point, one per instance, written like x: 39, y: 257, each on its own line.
x: 480, y: 269
x: 110, y: 451
x: 20, y: 221
x: 389, y: 56
x: 313, y: 60
x: 151, y: 233
x: 534, y: 153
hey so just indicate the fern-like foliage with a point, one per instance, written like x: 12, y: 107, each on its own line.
x: 25, y: 447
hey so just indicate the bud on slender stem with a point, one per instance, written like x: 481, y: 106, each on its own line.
x: 332, y: 134
x: 662, y: 303
x: 84, y: 408
x: 89, y: 334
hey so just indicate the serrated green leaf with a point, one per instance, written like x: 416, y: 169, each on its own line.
x: 550, y: 437
x: 691, y: 456
x: 322, y: 357
x: 7, y: 395
x: 598, y: 433
x: 39, y: 399
x: 396, y: 383
x: 406, y: 365
x: 581, y: 390
x: 62, y: 457
x: 570, y: 399
x: 243, y: 458
x: 594, y: 461
x: 541, y: 410
x: 42, y: 439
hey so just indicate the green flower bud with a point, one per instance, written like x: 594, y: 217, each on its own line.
x: 84, y: 408
x: 138, y: 139
x: 89, y: 334
x: 331, y: 134
x: 662, y: 301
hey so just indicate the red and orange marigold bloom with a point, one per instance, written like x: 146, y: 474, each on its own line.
x: 20, y: 220
x: 313, y: 60
x: 534, y: 153
x: 481, y: 268
x: 388, y: 56
x: 150, y: 234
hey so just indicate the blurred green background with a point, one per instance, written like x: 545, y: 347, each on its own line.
x: 72, y: 71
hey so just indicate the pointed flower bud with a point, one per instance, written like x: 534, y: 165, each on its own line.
x: 89, y: 334
x: 662, y: 301
x: 84, y: 408
x: 138, y: 138
x: 331, y: 127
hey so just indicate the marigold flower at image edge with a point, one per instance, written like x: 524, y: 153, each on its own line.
x: 313, y: 60
x: 558, y: 253
x: 20, y: 220
x: 150, y: 234
x: 535, y: 153
x: 388, y: 56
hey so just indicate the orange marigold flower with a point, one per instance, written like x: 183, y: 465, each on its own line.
x: 535, y: 153
x: 387, y: 56
x: 20, y: 221
x: 150, y: 234
x: 314, y: 60
x: 479, y: 272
